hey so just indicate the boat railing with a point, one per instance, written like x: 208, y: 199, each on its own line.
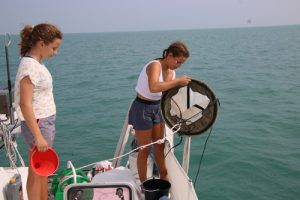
x: 122, y: 142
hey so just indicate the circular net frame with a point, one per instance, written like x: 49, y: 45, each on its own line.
x: 209, y: 114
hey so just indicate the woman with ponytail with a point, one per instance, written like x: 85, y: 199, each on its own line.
x: 34, y: 100
x: 157, y: 76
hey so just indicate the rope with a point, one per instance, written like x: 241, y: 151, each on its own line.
x: 10, y: 145
x: 199, y: 165
x: 160, y: 141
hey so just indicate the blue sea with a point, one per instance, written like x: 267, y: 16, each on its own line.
x: 254, y: 148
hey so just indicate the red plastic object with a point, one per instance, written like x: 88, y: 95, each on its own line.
x: 44, y: 163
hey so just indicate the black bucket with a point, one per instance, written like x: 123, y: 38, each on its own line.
x: 156, y: 188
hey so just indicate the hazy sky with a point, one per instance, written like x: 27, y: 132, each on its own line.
x: 73, y: 16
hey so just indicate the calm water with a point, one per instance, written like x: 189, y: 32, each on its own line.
x: 254, y: 149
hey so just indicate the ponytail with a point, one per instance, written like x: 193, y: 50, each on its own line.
x: 177, y: 49
x: 30, y: 35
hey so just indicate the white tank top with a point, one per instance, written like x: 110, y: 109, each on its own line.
x: 142, y: 86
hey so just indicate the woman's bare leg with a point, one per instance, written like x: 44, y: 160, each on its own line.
x: 158, y: 133
x: 44, y: 180
x: 34, y: 184
x: 143, y: 137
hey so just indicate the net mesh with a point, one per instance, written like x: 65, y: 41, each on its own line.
x: 194, y: 107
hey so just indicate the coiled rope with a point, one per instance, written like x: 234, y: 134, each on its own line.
x: 10, y: 144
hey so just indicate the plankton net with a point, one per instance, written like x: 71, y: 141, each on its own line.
x: 194, y: 107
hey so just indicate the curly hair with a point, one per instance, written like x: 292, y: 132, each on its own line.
x: 30, y: 35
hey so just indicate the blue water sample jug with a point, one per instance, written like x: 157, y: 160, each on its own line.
x: 14, y: 188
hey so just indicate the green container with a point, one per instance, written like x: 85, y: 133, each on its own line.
x: 65, y: 178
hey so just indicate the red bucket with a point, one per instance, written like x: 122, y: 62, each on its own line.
x: 44, y: 163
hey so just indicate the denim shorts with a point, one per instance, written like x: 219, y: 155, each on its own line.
x: 144, y: 114
x: 47, y: 127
